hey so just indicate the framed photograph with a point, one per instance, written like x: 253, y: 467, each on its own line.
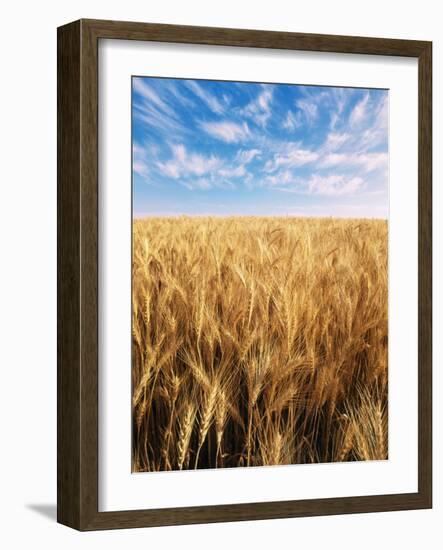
x: 244, y: 274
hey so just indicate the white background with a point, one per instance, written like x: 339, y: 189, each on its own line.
x: 28, y: 274
x: 118, y: 488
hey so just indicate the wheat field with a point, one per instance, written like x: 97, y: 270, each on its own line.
x: 258, y: 341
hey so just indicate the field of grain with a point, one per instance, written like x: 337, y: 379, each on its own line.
x: 258, y: 341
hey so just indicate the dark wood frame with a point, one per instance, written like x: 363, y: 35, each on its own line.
x: 77, y: 320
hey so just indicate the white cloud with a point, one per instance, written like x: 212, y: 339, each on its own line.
x: 179, y: 152
x: 337, y: 100
x: 329, y: 100
x: 284, y: 177
x: 231, y: 132
x: 140, y: 168
x: 181, y: 97
x: 260, y: 109
x: 373, y: 161
x: 335, y: 117
x: 333, y: 185
x: 294, y: 156
x: 316, y: 184
x: 171, y: 169
x: 139, y: 161
x: 235, y: 172
x: 242, y: 158
x: 245, y: 156
x: 335, y: 140
x: 308, y: 108
x: 292, y: 121
x: 199, y: 165
x: 210, y: 100
x: 185, y: 164
x: 335, y: 159
x: 358, y: 113
x: 382, y: 116
x: 376, y: 134
x: 150, y: 95
x: 162, y: 119
x: 367, y: 161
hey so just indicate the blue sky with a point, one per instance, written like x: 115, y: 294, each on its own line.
x: 229, y: 148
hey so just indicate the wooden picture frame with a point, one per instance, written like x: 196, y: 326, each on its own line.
x: 77, y: 455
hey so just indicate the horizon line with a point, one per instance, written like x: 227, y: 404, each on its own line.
x: 184, y: 215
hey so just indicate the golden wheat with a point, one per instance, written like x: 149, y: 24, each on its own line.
x: 258, y: 341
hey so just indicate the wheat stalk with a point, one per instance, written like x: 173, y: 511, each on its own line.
x: 252, y: 337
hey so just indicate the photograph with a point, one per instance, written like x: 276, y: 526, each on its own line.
x: 260, y: 217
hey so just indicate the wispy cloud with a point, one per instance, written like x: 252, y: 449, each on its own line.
x: 139, y: 160
x: 185, y: 164
x: 230, y: 132
x: 335, y: 140
x: 308, y: 108
x: 376, y: 134
x: 367, y: 161
x: 292, y: 121
x: 151, y: 109
x: 358, y: 113
x: 245, y: 156
x: 284, y: 177
x: 316, y: 184
x: 209, y: 99
x: 151, y: 97
x: 334, y: 185
x: 260, y: 108
x: 338, y: 100
x: 227, y: 99
x: 294, y: 156
x: 233, y: 172
x: 174, y: 89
